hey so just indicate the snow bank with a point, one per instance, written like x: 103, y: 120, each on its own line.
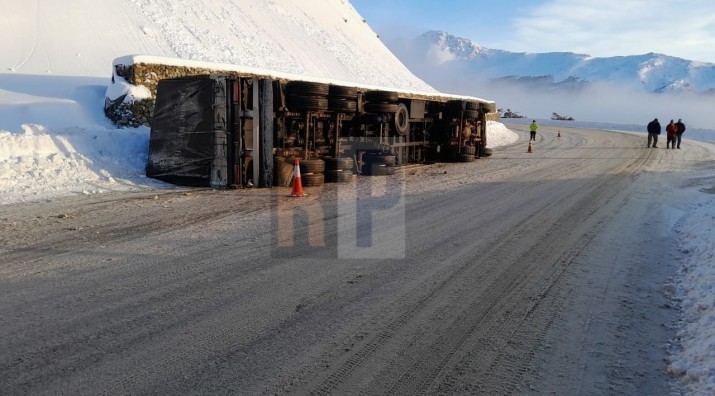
x: 499, y: 135
x: 39, y: 163
x: 693, y: 361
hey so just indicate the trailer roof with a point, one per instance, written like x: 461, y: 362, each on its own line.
x: 272, y: 74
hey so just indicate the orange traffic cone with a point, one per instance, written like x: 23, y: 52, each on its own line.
x: 297, y: 184
x: 529, y: 150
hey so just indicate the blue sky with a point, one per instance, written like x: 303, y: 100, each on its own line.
x: 679, y: 28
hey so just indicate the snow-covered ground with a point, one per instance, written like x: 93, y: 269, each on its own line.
x: 55, y: 141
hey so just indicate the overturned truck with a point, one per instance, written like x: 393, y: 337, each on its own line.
x: 233, y: 131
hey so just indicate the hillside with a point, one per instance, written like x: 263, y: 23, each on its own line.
x: 57, y: 58
x: 79, y: 38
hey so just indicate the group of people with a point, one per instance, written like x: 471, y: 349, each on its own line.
x: 673, y: 132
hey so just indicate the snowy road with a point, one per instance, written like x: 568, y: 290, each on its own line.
x: 525, y: 272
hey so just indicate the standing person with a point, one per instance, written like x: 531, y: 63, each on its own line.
x: 532, y: 129
x: 679, y: 133
x: 653, y: 132
x: 670, y: 130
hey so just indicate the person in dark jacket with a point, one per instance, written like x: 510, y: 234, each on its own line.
x: 679, y: 133
x: 653, y: 132
x: 670, y: 130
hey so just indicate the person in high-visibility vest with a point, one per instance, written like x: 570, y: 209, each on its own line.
x: 532, y: 128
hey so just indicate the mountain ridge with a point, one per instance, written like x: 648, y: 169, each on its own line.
x: 650, y: 72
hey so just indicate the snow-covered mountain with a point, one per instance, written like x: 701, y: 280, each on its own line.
x: 457, y: 57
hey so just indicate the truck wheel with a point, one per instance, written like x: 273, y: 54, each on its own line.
x: 380, y: 97
x: 471, y: 114
x: 296, y: 102
x: 487, y: 152
x: 312, y: 166
x: 340, y: 163
x: 453, y: 155
x: 338, y: 176
x: 402, y: 119
x: 377, y: 158
x: 468, y: 158
x: 342, y: 105
x: 342, y: 92
x: 369, y: 169
x: 305, y: 88
x: 469, y: 150
x: 456, y: 106
x: 312, y: 180
x: 380, y: 108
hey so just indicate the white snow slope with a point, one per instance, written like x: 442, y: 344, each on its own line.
x: 312, y: 37
x: 55, y: 66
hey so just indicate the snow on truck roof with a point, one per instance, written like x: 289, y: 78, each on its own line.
x: 258, y: 72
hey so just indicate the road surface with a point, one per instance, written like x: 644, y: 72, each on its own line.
x: 523, y: 273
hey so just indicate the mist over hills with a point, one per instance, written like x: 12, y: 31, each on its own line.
x: 622, y: 89
x: 649, y: 72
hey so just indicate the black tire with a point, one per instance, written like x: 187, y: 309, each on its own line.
x: 338, y: 176
x: 380, y: 97
x: 468, y: 157
x: 456, y: 106
x: 372, y: 170
x: 345, y: 176
x: 377, y: 108
x: 348, y: 164
x: 402, y: 119
x: 453, y: 155
x: 469, y: 150
x: 312, y: 180
x: 305, y: 88
x: 489, y: 107
x: 340, y: 163
x: 342, y: 105
x: 298, y: 103
x: 331, y: 176
x: 377, y: 158
x: 342, y: 92
x: 312, y: 166
x: 471, y: 114
x: 487, y: 151
x: 377, y: 170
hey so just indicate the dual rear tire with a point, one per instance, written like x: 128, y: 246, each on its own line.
x: 378, y: 164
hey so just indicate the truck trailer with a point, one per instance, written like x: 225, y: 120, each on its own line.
x: 228, y: 131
